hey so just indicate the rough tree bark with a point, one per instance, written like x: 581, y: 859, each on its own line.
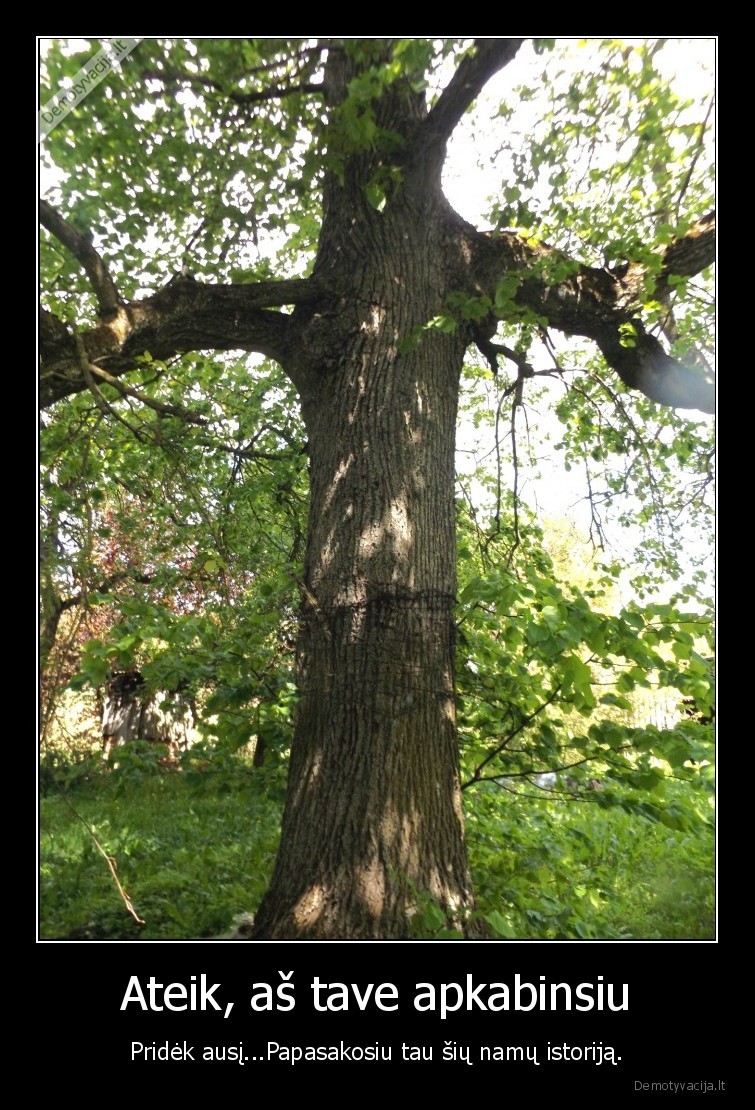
x: 373, y: 817
x: 373, y: 820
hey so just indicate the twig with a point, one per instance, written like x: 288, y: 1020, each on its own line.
x: 524, y: 723
x: 275, y: 92
x: 110, y: 860
x: 159, y: 406
x: 693, y: 163
x: 104, y: 406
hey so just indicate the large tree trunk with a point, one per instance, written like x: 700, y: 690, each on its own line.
x: 373, y: 819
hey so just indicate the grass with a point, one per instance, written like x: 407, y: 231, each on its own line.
x: 194, y: 850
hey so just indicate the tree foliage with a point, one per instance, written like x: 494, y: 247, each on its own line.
x: 255, y: 296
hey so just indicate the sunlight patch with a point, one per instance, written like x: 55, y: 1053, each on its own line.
x: 309, y: 907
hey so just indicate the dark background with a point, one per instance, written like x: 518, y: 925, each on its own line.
x: 679, y: 1026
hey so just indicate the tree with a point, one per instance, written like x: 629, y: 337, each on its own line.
x: 337, y: 147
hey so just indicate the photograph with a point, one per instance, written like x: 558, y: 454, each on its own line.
x: 376, y: 555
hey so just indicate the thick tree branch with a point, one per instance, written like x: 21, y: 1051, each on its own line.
x: 601, y: 305
x: 684, y: 257
x: 641, y: 363
x: 185, y: 315
x: 105, y: 290
x: 691, y: 253
x: 474, y: 71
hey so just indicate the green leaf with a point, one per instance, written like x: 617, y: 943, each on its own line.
x: 500, y: 926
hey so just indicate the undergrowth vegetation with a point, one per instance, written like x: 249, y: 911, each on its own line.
x: 194, y: 850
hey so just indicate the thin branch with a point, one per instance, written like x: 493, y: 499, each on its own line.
x: 105, y: 289
x: 515, y: 461
x: 113, y: 867
x: 161, y: 407
x: 103, y: 587
x: 498, y: 471
x: 596, y: 524
x: 696, y: 155
x: 249, y: 453
x: 516, y: 388
x: 100, y: 401
x: 491, y: 351
x: 275, y: 92
x: 524, y: 723
x: 552, y: 795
